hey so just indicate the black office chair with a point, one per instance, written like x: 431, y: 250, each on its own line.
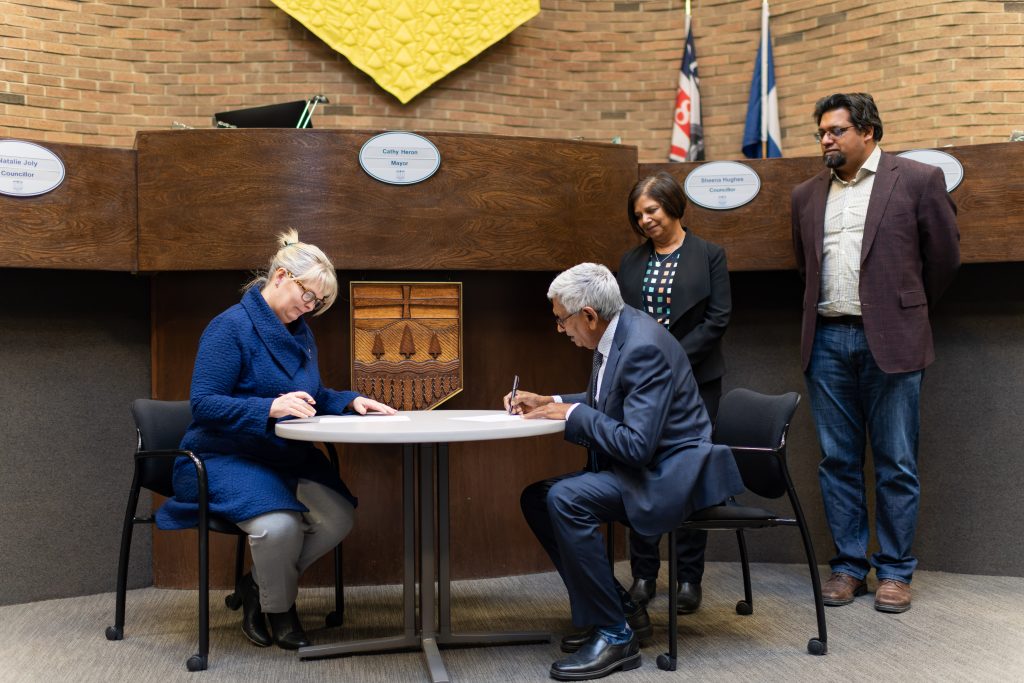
x: 754, y: 426
x: 160, y: 426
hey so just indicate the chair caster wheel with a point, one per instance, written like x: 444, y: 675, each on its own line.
x: 196, y: 663
x: 114, y: 633
x: 743, y: 607
x: 816, y: 647
x: 666, y: 663
x: 334, y: 619
x: 233, y: 601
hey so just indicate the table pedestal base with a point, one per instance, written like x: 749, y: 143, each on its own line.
x: 425, y: 636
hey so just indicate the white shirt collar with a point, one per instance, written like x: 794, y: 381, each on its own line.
x: 870, y: 165
x: 604, y: 345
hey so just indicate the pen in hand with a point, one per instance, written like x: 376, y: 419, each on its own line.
x: 512, y: 396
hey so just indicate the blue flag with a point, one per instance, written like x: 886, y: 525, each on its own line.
x: 761, y: 96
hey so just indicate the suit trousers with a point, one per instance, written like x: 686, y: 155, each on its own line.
x: 566, y: 514
x: 644, y: 558
x: 854, y: 401
x: 284, y: 543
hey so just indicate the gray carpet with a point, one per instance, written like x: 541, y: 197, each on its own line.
x: 961, y: 628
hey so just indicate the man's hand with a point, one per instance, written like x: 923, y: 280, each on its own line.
x: 549, y: 411
x: 524, y: 402
x: 362, y: 405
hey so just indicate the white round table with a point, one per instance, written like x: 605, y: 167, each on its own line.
x: 424, y: 436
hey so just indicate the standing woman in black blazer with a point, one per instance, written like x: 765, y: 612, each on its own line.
x: 683, y: 282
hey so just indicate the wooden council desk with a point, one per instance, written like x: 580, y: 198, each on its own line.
x: 424, y: 436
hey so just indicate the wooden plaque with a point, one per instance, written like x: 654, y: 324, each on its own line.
x: 407, y: 342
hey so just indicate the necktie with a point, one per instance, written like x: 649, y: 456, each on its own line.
x: 592, y: 459
x: 594, y: 372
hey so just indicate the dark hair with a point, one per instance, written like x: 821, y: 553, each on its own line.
x: 662, y: 188
x: 861, y: 105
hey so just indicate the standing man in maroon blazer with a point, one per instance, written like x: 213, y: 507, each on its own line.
x: 876, y: 242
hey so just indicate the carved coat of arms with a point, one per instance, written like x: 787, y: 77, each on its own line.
x: 407, y: 342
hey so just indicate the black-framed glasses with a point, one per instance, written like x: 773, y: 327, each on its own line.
x: 561, y: 321
x: 835, y: 132
x: 308, y: 295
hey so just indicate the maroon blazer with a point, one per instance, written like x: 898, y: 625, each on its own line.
x: 910, y: 253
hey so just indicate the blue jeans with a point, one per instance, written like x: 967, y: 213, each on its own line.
x: 853, y: 401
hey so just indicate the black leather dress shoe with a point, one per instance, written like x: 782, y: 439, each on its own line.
x: 597, y: 659
x: 638, y: 620
x: 688, y: 600
x: 287, y: 629
x: 253, y: 625
x: 642, y: 590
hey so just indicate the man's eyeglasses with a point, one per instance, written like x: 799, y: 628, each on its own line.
x: 307, y: 294
x: 561, y: 321
x: 835, y: 132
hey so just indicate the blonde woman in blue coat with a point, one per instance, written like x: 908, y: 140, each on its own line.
x: 256, y: 365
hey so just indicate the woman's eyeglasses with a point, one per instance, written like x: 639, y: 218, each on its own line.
x: 307, y: 294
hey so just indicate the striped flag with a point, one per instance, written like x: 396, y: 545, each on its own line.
x: 687, y: 134
x: 762, y: 130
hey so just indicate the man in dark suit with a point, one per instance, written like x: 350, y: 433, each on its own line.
x: 651, y: 462
x: 876, y: 242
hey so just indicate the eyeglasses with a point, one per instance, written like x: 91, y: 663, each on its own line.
x: 307, y: 294
x: 836, y: 132
x: 561, y: 321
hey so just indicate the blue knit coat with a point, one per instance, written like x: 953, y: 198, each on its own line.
x: 247, y: 357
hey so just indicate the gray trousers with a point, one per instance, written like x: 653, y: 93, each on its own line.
x: 284, y: 543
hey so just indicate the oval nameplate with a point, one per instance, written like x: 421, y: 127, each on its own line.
x: 949, y: 164
x: 28, y: 169
x: 722, y: 185
x: 399, y: 158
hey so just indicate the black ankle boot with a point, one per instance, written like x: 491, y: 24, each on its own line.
x: 287, y: 629
x: 253, y: 625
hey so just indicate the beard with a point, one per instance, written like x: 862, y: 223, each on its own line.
x: 835, y: 160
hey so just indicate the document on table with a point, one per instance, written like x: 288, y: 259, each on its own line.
x: 499, y: 417
x: 369, y: 417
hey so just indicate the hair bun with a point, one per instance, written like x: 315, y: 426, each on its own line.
x: 289, y: 237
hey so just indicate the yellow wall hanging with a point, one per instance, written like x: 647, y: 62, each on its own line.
x: 407, y: 45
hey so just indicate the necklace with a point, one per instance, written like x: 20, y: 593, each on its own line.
x: 664, y: 257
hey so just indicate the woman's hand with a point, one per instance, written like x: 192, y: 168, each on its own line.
x: 524, y: 402
x: 362, y: 404
x: 293, y: 404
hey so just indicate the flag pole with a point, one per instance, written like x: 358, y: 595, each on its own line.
x: 764, y: 79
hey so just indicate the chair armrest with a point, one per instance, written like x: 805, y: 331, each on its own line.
x: 144, y: 456
x: 165, y: 453
x: 332, y: 454
x: 751, y: 449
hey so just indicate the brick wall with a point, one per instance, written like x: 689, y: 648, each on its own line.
x: 942, y: 72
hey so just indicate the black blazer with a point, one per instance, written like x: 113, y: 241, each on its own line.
x: 701, y: 300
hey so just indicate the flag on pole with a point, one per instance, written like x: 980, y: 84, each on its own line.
x: 762, y: 135
x: 687, y: 135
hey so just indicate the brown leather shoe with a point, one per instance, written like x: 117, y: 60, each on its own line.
x: 841, y: 589
x: 892, y: 596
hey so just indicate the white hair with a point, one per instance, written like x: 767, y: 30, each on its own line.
x: 588, y: 284
x: 305, y: 262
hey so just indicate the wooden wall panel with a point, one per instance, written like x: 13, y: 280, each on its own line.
x: 508, y: 330
x: 213, y: 199
x: 757, y: 236
x: 86, y: 223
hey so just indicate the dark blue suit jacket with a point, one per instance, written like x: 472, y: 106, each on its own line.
x: 652, y: 427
